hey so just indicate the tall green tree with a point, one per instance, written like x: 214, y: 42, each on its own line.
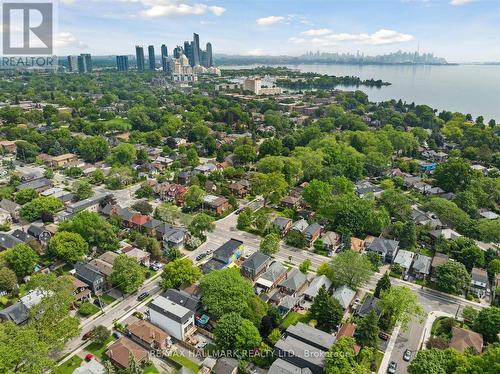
x: 68, y: 246
x: 351, y: 269
x: 270, y: 244
x: 234, y: 332
x: 128, y: 275
x: 383, y: 284
x: 400, y: 304
x: 341, y: 358
x: 487, y: 323
x: 326, y: 310
x: 178, y: 272
x: 452, y: 277
x: 201, y: 224
x: 368, y: 330
x: 22, y: 259
x: 271, y: 186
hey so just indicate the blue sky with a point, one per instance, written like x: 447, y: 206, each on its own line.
x: 459, y: 30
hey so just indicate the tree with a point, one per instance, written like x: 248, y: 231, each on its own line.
x: 93, y: 149
x: 270, y: 245
x: 374, y: 257
x: 68, y: 246
x: 454, y: 175
x: 271, y: 186
x: 452, y: 277
x: 296, y: 239
x: 178, y: 272
x: 26, y: 195
x: 469, y: 314
x: 97, y: 177
x: 430, y: 361
x: 143, y: 207
x: 317, y: 194
x: 26, y: 152
x: 487, y: 323
x: 93, y: 228
x: 123, y: 154
x: 326, y: 310
x: 201, y: 224
x: 400, y: 304
x: 128, y: 275
x: 489, y: 230
x: 100, y: 334
x: 368, y: 330
x: 234, y: 332
x: 383, y: 285
x: 397, y: 204
x: 245, y: 153
x: 192, y: 157
x: 8, y: 279
x: 341, y: 358
x: 437, y: 342
x: 193, y: 197
x: 83, y: 190
x: 408, y: 236
x: 245, y: 219
x: 341, y: 185
x: 145, y: 192
x: 350, y: 268
x: 305, y: 265
x: 271, y: 146
x: 167, y: 212
x: 22, y: 259
x: 226, y: 291
x: 34, y: 209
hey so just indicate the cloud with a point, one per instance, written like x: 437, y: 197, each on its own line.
x: 460, y: 2
x: 271, y: 20
x: 316, y: 32
x: 68, y: 40
x: 254, y: 52
x: 327, y: 38
x: 180, y: 9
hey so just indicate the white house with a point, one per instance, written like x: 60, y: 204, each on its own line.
x: 175, y: 319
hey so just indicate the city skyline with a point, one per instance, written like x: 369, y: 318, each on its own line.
x: 458, y: 30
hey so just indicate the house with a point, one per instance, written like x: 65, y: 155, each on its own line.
x: 274, y: 274
x: 17, y: 313
x: 104, y: 263
x: 8, y: 241
x: 187, y: 300
x: 404, y: 259
x: 331, y: 241
x: 5, y: 217
x: 121, y: 351
x: 40, y: 233
x: 365, y: 187
x: 145, y: 333
x: 312, y: 232
x: 239, y: 189
x: 300, y: 225
x: 463, y: 339
x: 286, y: 303
x: 255, y: 265
x: 92, y: 276
x: 479, y: 283
x: 184, y: 177
x: 488, y: 214
x: 229, y: 252
x: 215, y: 204
x: 281, y: 366
x: 370, y: 303
x: 62, y: 160
x: 172, y: 237
x: 23, y: 236
x: 81, y: 290
x: 141, y: 256
x: 151, y: 226
x: 386, y: 248
x: 282, y: 224
x: 304, y: 347
x: 205, y: 169
x: 438, y: 259
x: 313, y: 289
x: 11, y: 207
x: 357, y: 245
x: 447, y: 234
x: 226, y: 365
x: 90, y: 367
x: 294, y: 282
x: 291, y: 202
x: 344, y: 295
x: 175, y: 319
x: 421, y: 267
x: 92, y: 204
x: 7, y: 147
x: 39, y: 185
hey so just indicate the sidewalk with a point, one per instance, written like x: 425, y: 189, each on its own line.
x: 388, y: 352
x: 431, y: 317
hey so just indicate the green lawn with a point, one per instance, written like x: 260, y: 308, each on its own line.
x: 69, y: 366
x: 107, y: 299
x: 98, y: 349
x: 184, y: 361
x: 293, y: 318
x: 150, y: 369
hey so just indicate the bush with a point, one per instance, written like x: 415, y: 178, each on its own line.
x: 437, y: 342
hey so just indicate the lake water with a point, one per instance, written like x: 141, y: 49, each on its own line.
x: 473, y: 89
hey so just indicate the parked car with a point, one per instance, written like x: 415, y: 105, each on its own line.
x: 117, y: 335
x: 89, y: 356
x: 142, y: 296
x: 383, y: 335
x: 392, y: 368
x: 99, y: 303
x: 407, y: 355
x: 87, y: 335
x: 237, y: 211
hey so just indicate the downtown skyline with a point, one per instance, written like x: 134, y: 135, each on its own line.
x: 458, y: 30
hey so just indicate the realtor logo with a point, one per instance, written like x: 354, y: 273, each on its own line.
x: 27, y: 28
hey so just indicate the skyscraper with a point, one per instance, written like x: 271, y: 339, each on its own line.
x: 72, y: 63
x: 88, y: 62
x: 210, y: 59
x: 139, y: 54
x: 188, y: 52
x: 151, y: 56
x: 164, y: 60
x: 196, y: 49
x: 82, y: 66
x: 122, y: 63
x: 177, y: 51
